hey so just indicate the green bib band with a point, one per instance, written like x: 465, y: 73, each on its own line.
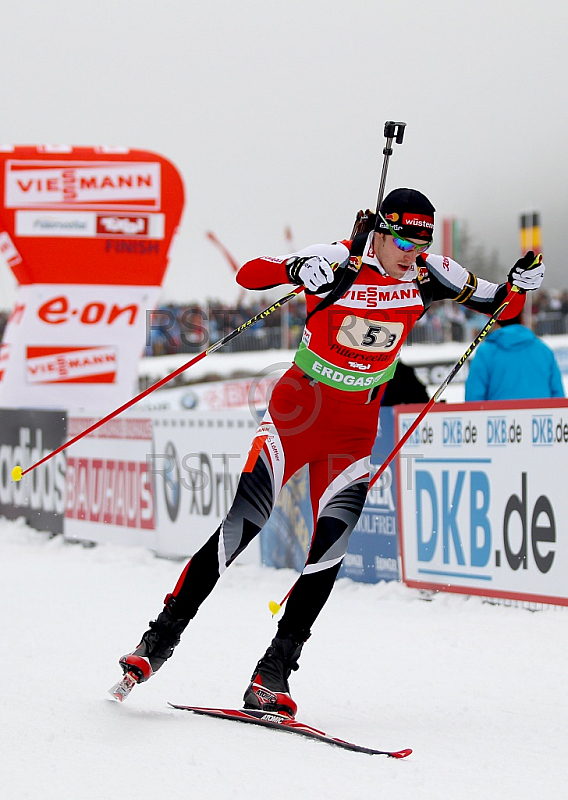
x: 346, y: 379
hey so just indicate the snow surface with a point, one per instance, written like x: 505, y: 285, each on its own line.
x: 477, y: 690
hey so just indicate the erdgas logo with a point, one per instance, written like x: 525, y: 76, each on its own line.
x: 338, y: 376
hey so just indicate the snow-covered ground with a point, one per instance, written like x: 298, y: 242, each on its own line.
x: 478, y: 691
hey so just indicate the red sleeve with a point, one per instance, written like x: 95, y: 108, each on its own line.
x: 263, y: 273
x: 269, y: 271
x: 515, y: 306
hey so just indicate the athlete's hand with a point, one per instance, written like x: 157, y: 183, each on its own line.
x: 528, y: 272
x: 311, y: 271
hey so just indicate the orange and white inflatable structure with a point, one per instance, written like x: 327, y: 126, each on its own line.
x: 86, y: 231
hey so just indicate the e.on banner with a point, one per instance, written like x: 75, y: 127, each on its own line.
x: 483, y: 500
x: 74, y: 345
x: 86, y: 232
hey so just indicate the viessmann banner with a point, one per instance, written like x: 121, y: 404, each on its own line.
x: 483, y: 499
x: 86, y: 232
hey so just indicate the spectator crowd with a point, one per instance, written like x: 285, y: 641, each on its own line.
x: 190, y: 329
x: 176, y: 328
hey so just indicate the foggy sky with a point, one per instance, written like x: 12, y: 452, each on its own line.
x: 273, y: 111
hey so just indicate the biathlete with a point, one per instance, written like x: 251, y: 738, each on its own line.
x: 324, y: 412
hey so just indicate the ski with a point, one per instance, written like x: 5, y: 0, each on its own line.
x: 285, y: 723
x: 122, y: 689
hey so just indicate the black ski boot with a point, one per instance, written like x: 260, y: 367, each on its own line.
x: 269, y: 690
x: 157, y: 645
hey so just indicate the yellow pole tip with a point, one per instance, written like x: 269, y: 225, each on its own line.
x: 17, y: 474
x: 274, y: 607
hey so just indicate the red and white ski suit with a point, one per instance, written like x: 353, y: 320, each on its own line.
x: 324, y: 413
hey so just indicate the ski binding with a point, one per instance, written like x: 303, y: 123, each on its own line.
x: 122, y: 689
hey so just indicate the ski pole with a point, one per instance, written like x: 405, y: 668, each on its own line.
x: 18, y: 473
x: 392, y: 130
x: 273, y: 605
x: 437, y: 394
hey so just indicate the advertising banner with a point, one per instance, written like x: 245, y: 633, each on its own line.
x: 195, y: 466
x: 285, y: 539
x: 214, y: 395
x: 27, y: 436
x: 482, y: 499
x: 74, y: 344
x: 372, y: 554
x: 109, y: 488
x: 86, y: 232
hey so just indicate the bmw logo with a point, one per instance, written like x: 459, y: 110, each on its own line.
x: 172, y: 482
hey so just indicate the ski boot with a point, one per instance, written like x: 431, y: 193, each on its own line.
x: 156, y: 646
x: 269, y: 690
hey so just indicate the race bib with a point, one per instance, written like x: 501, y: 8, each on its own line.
x: 369, y: 335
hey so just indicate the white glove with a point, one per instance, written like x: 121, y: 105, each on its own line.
x: 311, y: 271
x: 528, y: 272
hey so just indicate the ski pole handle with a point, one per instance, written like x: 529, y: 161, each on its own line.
x: 437, y: 394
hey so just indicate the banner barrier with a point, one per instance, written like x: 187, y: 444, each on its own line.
x: 372, y: 554
x: 478, y: 495
x: 214, y: 396
x: 165, y: 481
x: 482, y: 499
x: 156, y: 479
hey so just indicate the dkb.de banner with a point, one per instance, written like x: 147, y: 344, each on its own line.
x: 484, y: 505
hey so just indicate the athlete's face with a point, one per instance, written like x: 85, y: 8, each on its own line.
x: 395, y: 262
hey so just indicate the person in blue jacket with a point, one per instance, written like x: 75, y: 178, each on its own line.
x: 513, y: 364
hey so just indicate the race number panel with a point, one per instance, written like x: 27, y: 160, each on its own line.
x: 369, y: 335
